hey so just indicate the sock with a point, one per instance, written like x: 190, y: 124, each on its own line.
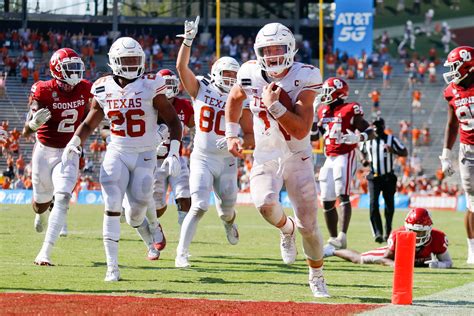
x: 181, y: 216
x: 144, y: 232
x: 288, y: 227
x: 315, y: 272
x: 470, y: 246
x: 111, y: 233
x: 188, y: 230
x: 56, y: 222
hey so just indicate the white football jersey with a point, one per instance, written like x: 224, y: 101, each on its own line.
x: 209, y: 118
x: 130, y: 111
x: 253, y: 79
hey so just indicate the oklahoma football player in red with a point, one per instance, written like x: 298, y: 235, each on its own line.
x: 57, y: 107
x: 338, y: 121
x: 431, y: 245
x: 460, y: 96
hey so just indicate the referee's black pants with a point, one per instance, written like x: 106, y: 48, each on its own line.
x: 387, y: 184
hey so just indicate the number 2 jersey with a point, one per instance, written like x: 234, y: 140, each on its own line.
x: 209, y: 118
x: 130, y: 111
x: 253, y: 79
x: 462, y: 102
x: 68, y: 110
x: 336, y: 121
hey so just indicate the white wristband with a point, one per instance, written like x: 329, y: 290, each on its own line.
x: 232, y: 129
x: 364, y: 136
x: 174, y: 148
x: 188, y: 42
x: 446, y: 153
x: 75, y: 141
x: 277, y: 109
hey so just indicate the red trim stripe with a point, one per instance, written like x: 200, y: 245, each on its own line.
x: 314, y: 85
x: 159, y: 89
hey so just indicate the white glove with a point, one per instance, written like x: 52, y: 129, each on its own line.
x: 221, y: 143
x: 3, y: 135
x: 72, y: 148
x: 163, y: 132
x: 39, y: 118
x: 446, y: 163
x: 350, y: 138
x: 161, y: 150
x: 190, y: 31
x: 434, y: 263
x: 171, y: 163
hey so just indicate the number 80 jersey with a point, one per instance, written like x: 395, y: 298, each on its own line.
x: 462, y: 102
x: 209, y: 118
x: 130, y: 111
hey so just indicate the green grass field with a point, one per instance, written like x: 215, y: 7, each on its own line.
x: 252, y: 270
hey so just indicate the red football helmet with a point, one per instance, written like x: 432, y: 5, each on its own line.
x: 171, y: 81
x: 460, y: 62
x: 333, y: 89
x: 66, y: 66
x: 419, y: 221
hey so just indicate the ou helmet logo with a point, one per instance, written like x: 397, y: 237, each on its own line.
x: 338, y: 83
x: 465, y: 55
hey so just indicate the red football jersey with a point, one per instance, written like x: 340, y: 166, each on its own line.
x: 185, y: 111
x: 68, y: 110
x: 462, y: 101
x: 437, y: 244
x: 336, y: 121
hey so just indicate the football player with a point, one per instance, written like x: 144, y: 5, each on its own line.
x: 131, y: 101
x: 431, y: 245
x: 210, y: 167
x: 179, y: 185
x: 460, y: 97
x: 338, y: 120
x: 283, y: 150
x: 57, y: 107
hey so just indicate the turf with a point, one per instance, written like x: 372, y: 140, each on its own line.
x: 252, y: 270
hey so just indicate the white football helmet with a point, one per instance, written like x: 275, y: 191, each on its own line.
x: 121, y: 49
x: 217, y: 73
x: 275, y: 34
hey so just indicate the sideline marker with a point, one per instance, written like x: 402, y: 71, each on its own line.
x: 404, y: 267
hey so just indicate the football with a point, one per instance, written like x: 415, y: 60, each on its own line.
x: 285, y: 99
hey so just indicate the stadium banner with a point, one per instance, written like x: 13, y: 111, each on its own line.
x: 90, y: 197
x: 401, y: 201
x: 16, y: 196
x: 353, y: 27
x: 434, y: 202
x: 462, y: 203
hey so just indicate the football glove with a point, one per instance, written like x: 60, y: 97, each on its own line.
x: 72, y: 148
x: 39, y: 118
x: 161, y: 150
x: 350, y: 138
x: 171, y: 163
x: 190, y: 31
x: 446, y: 163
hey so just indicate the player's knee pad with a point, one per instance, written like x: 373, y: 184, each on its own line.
x: 196, y: 211
x: 136, y: 214
x: 62, y: 199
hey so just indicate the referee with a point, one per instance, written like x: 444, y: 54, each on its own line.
x: 379, y: 154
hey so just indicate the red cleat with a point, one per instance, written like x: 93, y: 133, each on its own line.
x: 159, y: 235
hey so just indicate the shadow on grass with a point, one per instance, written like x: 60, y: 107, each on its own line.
x: 366, y: 300
x: 208, y: 280
x: 443, y: 304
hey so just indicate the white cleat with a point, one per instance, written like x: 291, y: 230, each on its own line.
x: 42, y: 260
x: 328, y: 250
x: 232, y: 233
x: 470, y: 259
x: 64, y: 232
x: 153, y: 254
x: 335, y: 242
x: 112, y: 275
x: 288, y: 245
x: 342, y: 237
x: 318, y: 286
x: 182, y: 261
x: 39, y: 223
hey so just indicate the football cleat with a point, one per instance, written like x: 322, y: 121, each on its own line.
x: 112, y: 275
x: 153, y: 254
x: 64, y: 231
x: 335, y: 242
x: 342, y: 237
x: 182, y: 261
x: 470, y: 258
x: 288, y: 245
x: 42, y: 260
x: 39, y: 223
x: 159, y: 239
x: 318, y: 286
x: 232, y: 233
x: 328, y: 250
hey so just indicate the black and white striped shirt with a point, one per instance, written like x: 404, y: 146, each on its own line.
x: 381, y: 160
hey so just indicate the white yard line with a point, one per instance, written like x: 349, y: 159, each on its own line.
x: 457, y: 301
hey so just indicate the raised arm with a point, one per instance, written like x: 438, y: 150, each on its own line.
x: 190, y: 83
